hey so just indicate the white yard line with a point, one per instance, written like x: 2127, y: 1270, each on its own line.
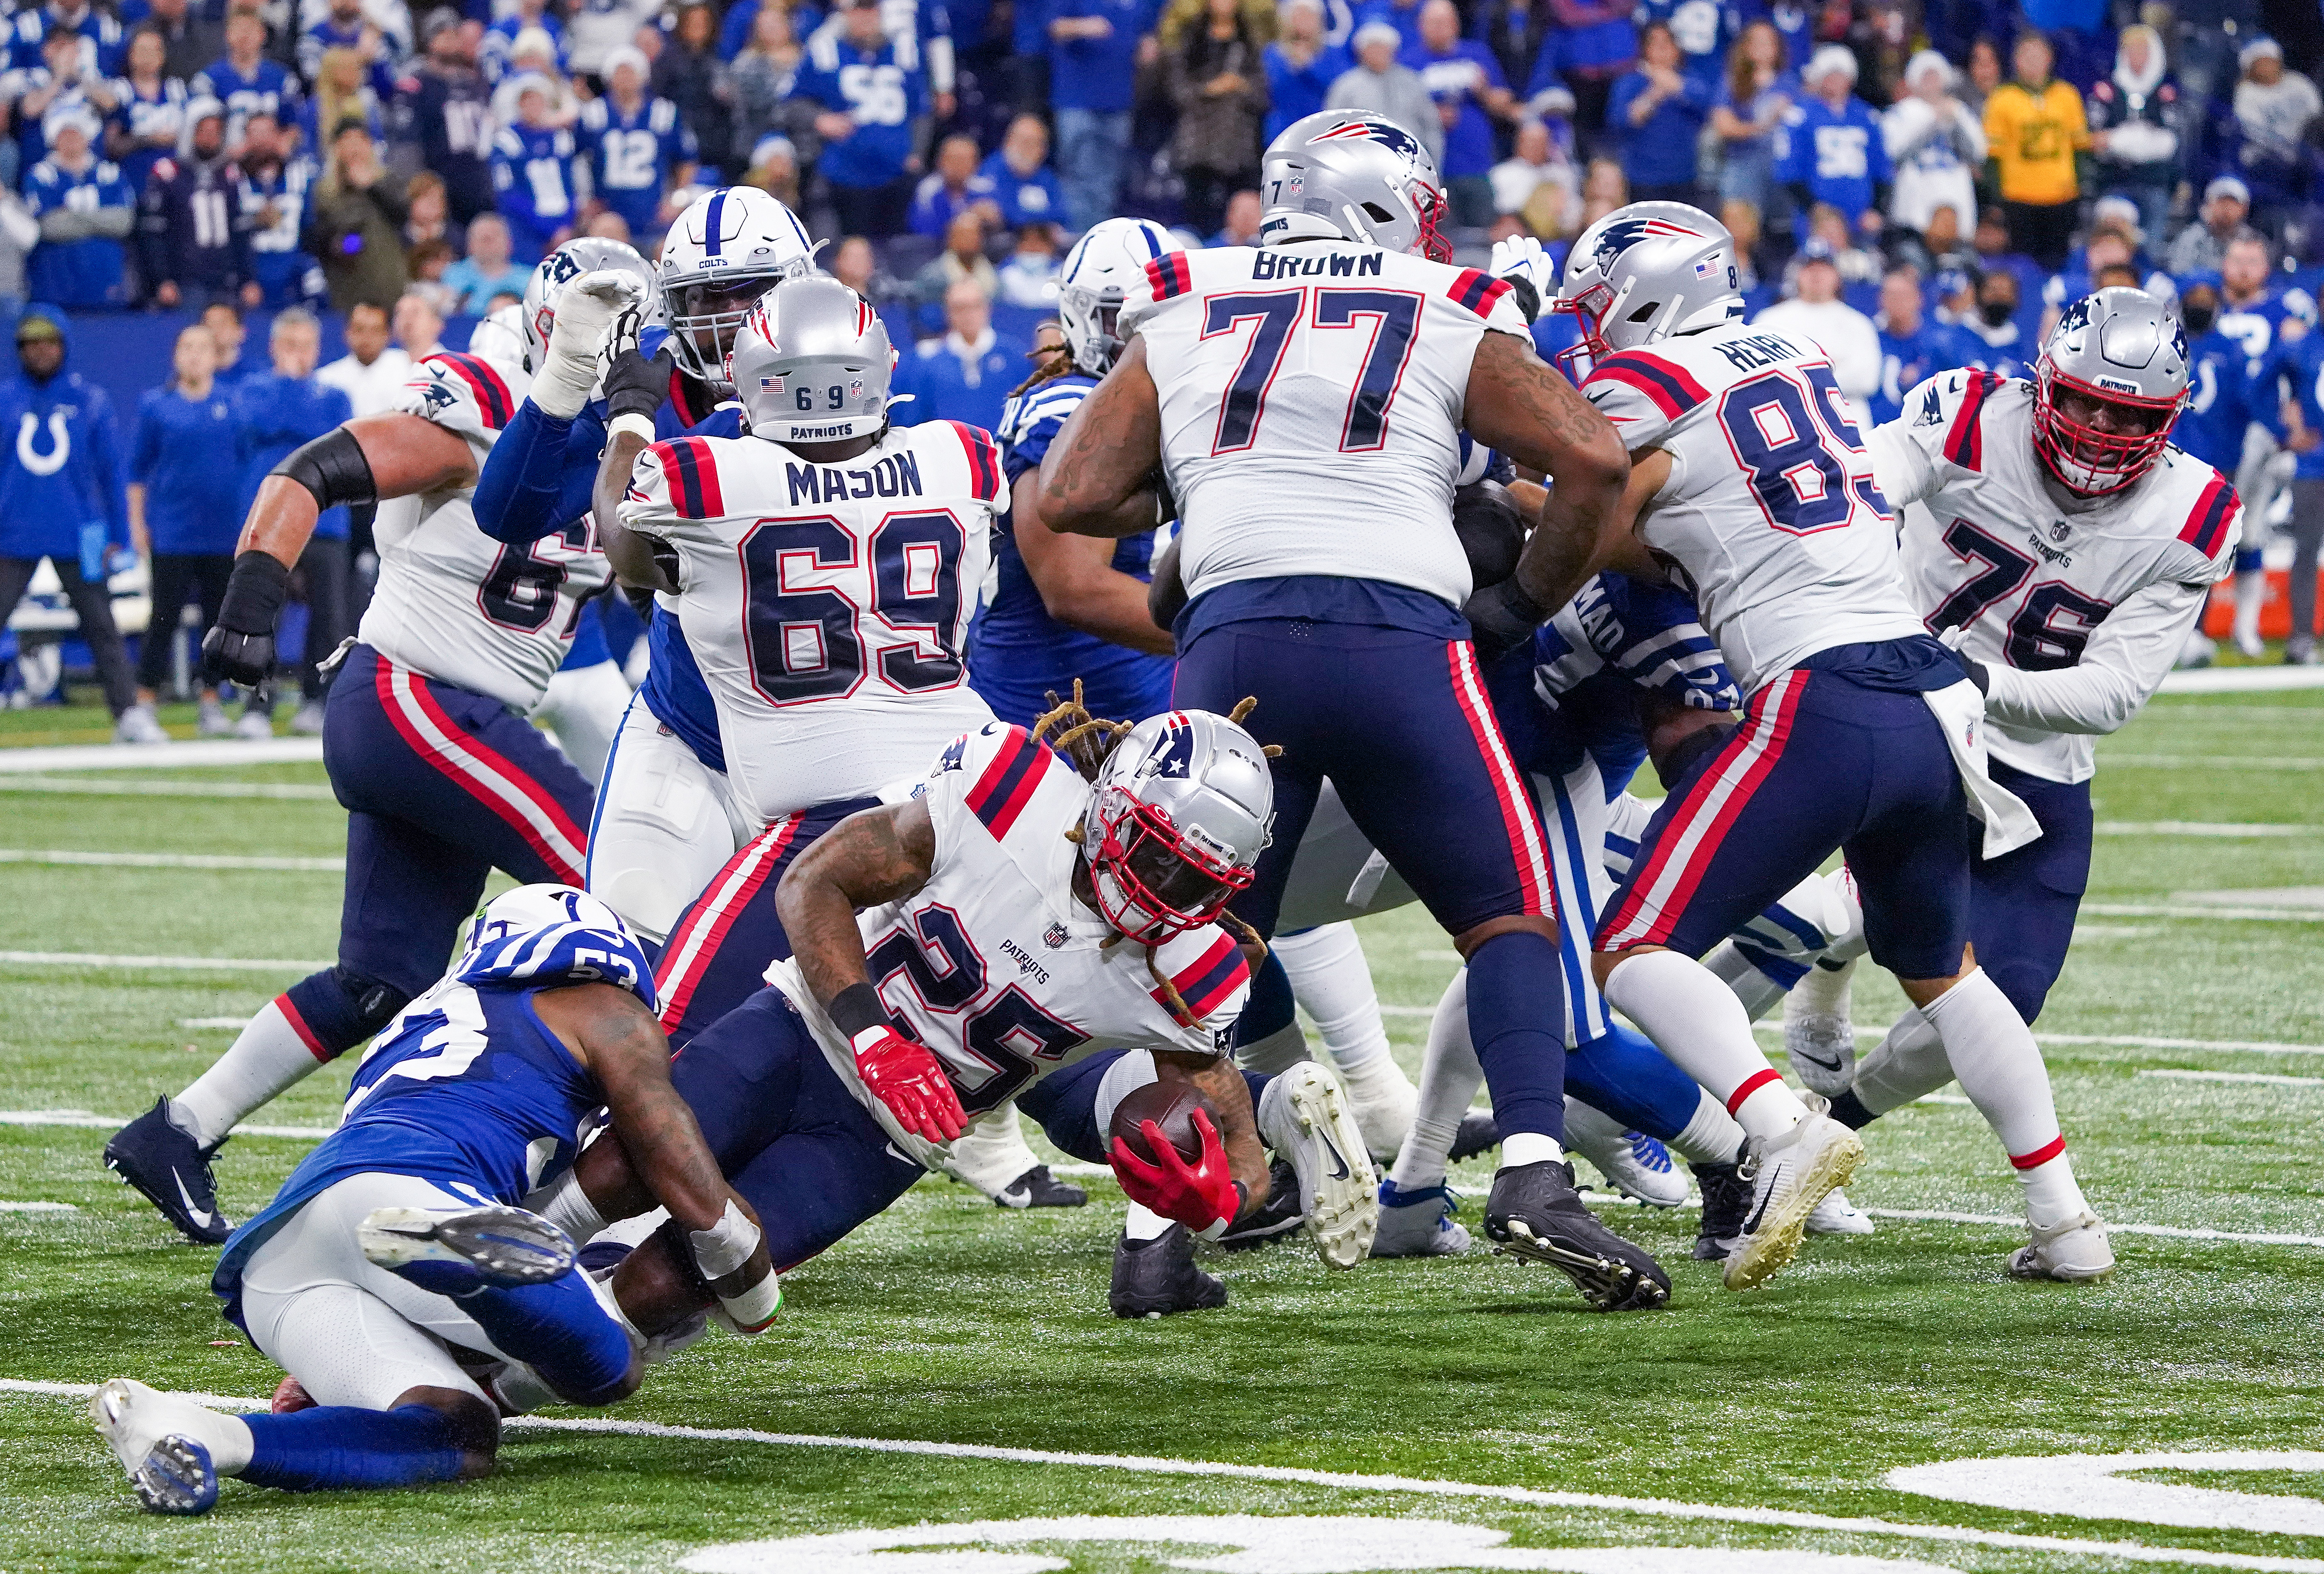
x: 2242, y: 679
x: 160, y: 757
x: 2205, y: 911
x: 239, y: 964
x: 2201, y: 828
x: 2174, y: 1232
x: 1349, y: 1481
x: 169, y: 859
x: 38, y: 1208
x: 235, y: 1024
x: 166, y: 789
x: 2211, y: 761
x: 2126, y: 1041
x: 115, y: 1122
x: 2195, y: 1076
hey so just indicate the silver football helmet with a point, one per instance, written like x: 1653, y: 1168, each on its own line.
x: 728, y: 248
x: 812, y: 363
x: 1183, y: 807
x: 1102, y: 266
x: 568, y: 262
x: 1354, y: 175
x: 500, y: 338
x: 1643, y: 272
x: 2108, y: 389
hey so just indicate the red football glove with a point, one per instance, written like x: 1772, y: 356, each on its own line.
x: 909, y: 1081
x: 1202, y: 1196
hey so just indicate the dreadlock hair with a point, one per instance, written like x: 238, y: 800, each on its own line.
x: 1056, y: 361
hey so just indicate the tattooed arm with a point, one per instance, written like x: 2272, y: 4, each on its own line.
x: 1221, y: 1082
x: 880, y: 855
x: 1519, y: 404
x: 1098, y: 477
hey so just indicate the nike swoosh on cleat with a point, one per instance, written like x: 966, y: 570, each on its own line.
x: 1341, y: 1173
x: 1816, y: 1060
x: 199, y: 1216
x: 1759, y: 1212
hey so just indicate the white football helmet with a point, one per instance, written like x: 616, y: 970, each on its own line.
x: 1102, y: 267
x: 2121, y: 356
x: 561, y: 267
x: 812, y: 363
x: 727, y: 248
x: 543, y: 935
x: 1179, y: 814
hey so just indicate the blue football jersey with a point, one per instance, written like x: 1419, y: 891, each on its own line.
x: 1615, y: 638
x: 2218, y: 404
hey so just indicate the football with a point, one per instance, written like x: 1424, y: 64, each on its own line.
x: 1170, y: 1106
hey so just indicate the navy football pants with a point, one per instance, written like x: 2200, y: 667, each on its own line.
x: 2023, y: 904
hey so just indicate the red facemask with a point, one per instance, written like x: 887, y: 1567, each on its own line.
x: 1151, y: 882
x: 2087, y: 460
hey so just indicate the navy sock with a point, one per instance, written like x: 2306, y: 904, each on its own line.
x: 342, y: 1008
x: 1516, y: 1019
x: 1623, y: 1074
x: 560, y: 1331
x: 339, y: 1446
x: 1849, y: 1111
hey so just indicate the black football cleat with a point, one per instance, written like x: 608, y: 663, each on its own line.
x: 161, y: 1159
x: 1726, y: 1199
x: 1037, y: 1187
x: 1154, y: 1278
x: 1479, y: 1132
x: 1534, y: 1213
x: 1278, y: 1216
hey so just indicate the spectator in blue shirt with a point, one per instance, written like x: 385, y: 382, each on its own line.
x: 966, y: 375
x: 1913, y: 349
x: 63, y: 83
x: 272, y: 195
x: 144, y: 124
x: 1095, y: 47
x: 1465, y: 80
x: 1703, y: 29
x: 1837, y: 154
x: 875, y: 101
x: 275, y: 415
x: 344, y: 27
x: 952, y: 187
x: 1793, y: 20
x: 532, y: 171
x: 498, y: 52
x: 1301, y: 67
x: 1659, y: 110
x: 103, y: 38
x: 86, y: 211
x: 183, y: 478
x: 245, y: 81
x: 487, y: 269
x: 1029, y: 56
x: 1590, y: 44
x: 638, y: 151
x: 1754, y: 96
x: 1024, y: 188
x: 1403, y: 16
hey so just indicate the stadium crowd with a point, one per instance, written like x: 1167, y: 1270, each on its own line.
x: 397, y: 169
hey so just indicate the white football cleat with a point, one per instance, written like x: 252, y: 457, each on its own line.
x: 1836, y: 1215
x: 1304, y: 1116
x: 2075, y: 1252
x: 1818, y: 1036
x: 1634, y: 1164
x: 1793, y: 1173
x: 490, y: 1245
x: 1417, y: 1224
x: 160, y: 1441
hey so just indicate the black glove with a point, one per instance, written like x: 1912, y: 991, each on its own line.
x: 1491, y: 531
x: 1501, y: 616
x: 1977, y: 674
x: 638, y: 384
x: 1522, y: 292
x: 240, y: 645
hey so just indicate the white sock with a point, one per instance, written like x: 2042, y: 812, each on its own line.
x: 563, y: 1204
x: 1144, y: 1224
x: 1759, y: 993
x: 1529, y: 1147
x: 267, y: 1057
x: 1825, y: 991
x: 1906, y: 1064
x: 1697, y: 1021
x: 2052, y: 1196
x: 1450, y: 1076
x: 229, y: 1445
x: 992, y: 1152
x: 1275, y: 1053
x: 1993, y: 1052
x: 1332, y: 983
x: 2251, y: 594
x: 1712, y: 1136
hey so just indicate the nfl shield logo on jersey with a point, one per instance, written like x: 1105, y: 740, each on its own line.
x: 1054, y: 936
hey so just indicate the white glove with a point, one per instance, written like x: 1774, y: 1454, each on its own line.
x: 582, y: 314
x: 1521, y: 257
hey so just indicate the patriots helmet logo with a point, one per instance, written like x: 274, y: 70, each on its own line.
x: 1174, y: 751
x: 1620, y: 237
x: 1386, y: 133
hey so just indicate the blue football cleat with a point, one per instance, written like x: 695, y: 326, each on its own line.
x: 457, y: 1251
x: 159, y: 1157
x: 155, y: 1436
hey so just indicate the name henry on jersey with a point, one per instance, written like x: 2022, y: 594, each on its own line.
x: 897, y: 476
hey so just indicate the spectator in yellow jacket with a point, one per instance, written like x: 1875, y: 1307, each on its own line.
x: 2034, y: 127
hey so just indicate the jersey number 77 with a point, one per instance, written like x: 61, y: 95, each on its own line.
x: 1273, y: 317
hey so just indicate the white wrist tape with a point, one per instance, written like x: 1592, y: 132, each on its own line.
x: 725, y: 1247
x: 750, y: 1311
x: 563, y: 384
x: 635, y: 425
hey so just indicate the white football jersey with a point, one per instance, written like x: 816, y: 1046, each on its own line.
x: 1311, y: 402
x: 452, y: 602
x: 1769, y: 518
x: 2078, y: 613
x: 996, y: 965
x: 826, y: 604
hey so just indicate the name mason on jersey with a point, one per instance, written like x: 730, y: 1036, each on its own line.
x: 897, y: 476
x: 1336, y: 265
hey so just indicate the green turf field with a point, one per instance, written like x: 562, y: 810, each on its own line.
x: 1472, y: 1400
